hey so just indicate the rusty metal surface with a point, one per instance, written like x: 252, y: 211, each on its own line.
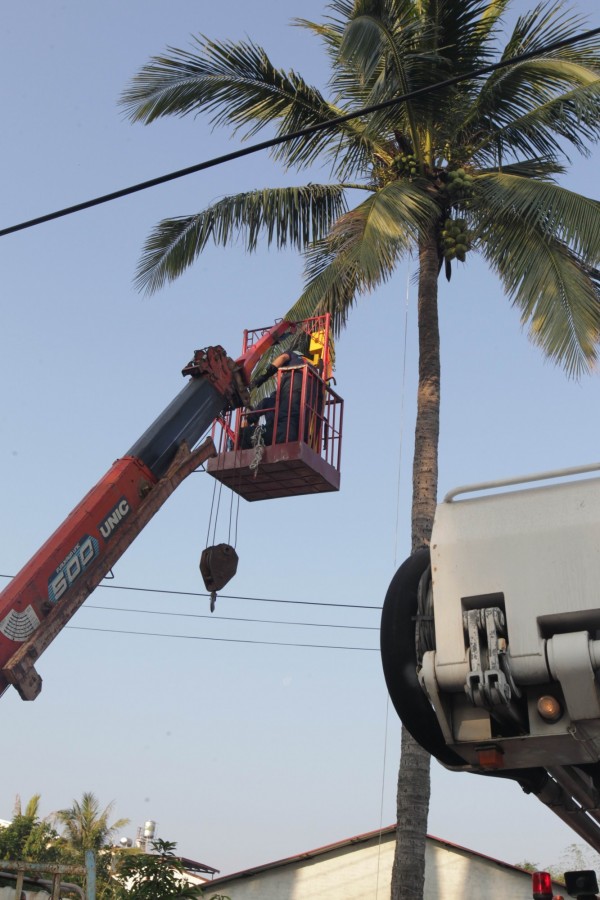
x: 29, y: 873
x: 46, y: 868
x: 19, y: 669
x: 286, y: 470
x: 223, y: 373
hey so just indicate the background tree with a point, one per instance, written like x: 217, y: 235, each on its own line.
x: 471, y: 167
x: 32, y: 807
x: 574, y: 858
x: 86, y: 826
x: 27, y: 838
x: 153, y: 876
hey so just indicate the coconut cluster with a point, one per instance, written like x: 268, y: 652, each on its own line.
x: 455, y: 239
x: 458, y: 181
x: 406, y: 165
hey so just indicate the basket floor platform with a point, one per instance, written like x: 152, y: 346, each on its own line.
x: 285, y: 470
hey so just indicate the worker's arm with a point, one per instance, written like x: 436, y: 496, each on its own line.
x: 271, y: 370
x: 281, y: 360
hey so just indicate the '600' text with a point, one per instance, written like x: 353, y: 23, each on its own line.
x: 69, y: 571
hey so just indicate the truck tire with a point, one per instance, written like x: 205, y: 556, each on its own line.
x: 399, y: 659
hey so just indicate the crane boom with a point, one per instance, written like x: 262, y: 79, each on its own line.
x: 49, y: 589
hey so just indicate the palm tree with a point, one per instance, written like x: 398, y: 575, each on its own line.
x: 86, y: 826
x: 467, y: 168
x: 28, y: 837
x: 32, y: 809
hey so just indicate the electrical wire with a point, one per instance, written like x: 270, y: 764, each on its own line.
x: 382, y: 796
x: 193, y: 637
x: 239, y: 597
x: 222, y: 619
x: 303, y: 132
x: 213, y: 618
x: 401, y: 436
x: 145, y: 590
x: 395, y: 563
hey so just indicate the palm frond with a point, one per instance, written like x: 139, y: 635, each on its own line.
x: 342, y: 10
x: 546, y: 24
x: 559, y: 297
x: 333, y: 285
x: 534, y: 111
x: 463, y: 31
x: 544, y: 243
x: 290, y: 216
x: 385, y: 57
x: 461, y: 36
x: 238, y: 86
x: 538, y: 168
x: 492, y: 14
x: 527, y: 105
x: 351, y: 150
x: 330, y: 32
x: 545, y: 207
x: 384, y: 227
x: 363, y: 249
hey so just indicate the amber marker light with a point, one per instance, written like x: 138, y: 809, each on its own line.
x: 549, y: 708
x: 490, y: 757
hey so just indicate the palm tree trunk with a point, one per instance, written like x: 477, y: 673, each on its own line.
x: 408, y: 875
x: 427, y: 430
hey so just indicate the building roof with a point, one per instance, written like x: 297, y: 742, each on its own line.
x: 190, y: 865
x: 387, y: 832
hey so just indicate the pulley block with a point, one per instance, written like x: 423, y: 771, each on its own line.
x: 218, y: 565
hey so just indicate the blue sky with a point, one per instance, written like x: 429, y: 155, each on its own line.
x: 242, y: 752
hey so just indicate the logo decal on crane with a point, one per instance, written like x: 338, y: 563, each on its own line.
x: 82, y: 554
x: 114, y: 518
x: 18, y: 626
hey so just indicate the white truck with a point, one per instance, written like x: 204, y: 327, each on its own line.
x: 490, y: 638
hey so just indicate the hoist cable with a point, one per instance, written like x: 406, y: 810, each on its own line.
x: 210, y: 515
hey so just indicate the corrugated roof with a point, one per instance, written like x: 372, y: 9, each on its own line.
x: 192, y: 866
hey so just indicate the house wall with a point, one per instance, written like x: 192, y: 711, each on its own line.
x: 362, y: 871
x: 8, y: 893
x: 452, y: 873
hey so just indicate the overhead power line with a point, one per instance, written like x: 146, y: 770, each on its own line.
x: 172, y: 592
x: 303, y: 132
x: 118, y: 587
x: 213, y: 618
x: 193, y: 637
x: 145, y: 590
